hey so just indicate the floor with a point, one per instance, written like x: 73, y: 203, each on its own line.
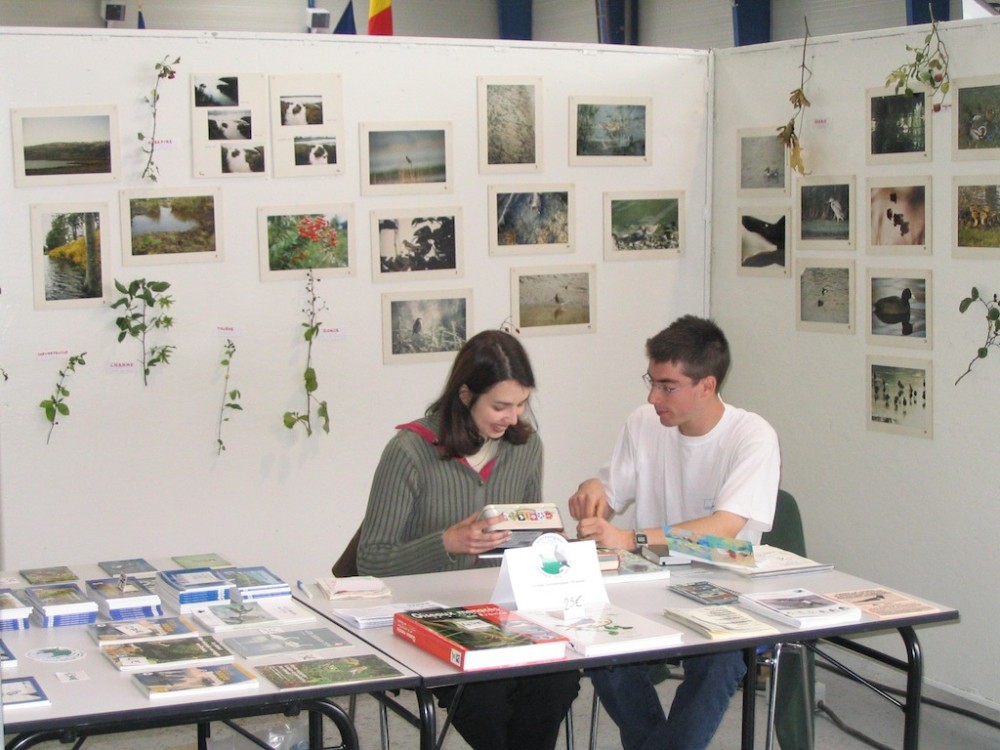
x: 854, y: 704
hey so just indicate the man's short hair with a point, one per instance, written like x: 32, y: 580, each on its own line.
x: 695, y: 344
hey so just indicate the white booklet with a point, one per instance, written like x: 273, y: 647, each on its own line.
x: 379, y: 615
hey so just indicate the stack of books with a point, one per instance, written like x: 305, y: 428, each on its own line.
x: 188, y: 588
x: 14, y: 612
x: 254, y: 583
x: 124, y: 598
x: 132, y: 566
x: 60, y: 604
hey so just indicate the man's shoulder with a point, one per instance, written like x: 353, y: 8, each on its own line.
x: 747, y: 422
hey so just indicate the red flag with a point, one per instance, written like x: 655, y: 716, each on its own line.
x: 380, y: 17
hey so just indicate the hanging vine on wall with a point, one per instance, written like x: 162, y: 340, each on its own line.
x: 164, y: 71
x: 145, y: 306
x: 55, y: 406
x: 230, y: 396
x: 929, y: 68
x: 788, y: 134
x: 992, y: 307
x: 314, y: 305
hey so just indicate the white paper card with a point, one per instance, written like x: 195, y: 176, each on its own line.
x: 552, y: 573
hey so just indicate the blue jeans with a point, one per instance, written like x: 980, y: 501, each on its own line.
x: 701, y: 700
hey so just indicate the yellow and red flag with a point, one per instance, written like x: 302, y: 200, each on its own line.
x: 380, y: 17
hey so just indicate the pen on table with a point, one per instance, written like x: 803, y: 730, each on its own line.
x: 303, y: 589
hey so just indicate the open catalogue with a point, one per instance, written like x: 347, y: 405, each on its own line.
x: 719, y: 621
x: 479, y: 636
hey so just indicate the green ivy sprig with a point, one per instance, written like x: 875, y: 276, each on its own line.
x: 314, y: 305
x: 164, y: 71
x: 992, y: 307
x: 55, y: 406
x: 141, y: 300
x: 929, y: 68
x: 230, y: 397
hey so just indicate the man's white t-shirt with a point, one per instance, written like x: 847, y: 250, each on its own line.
x: 672, y: 478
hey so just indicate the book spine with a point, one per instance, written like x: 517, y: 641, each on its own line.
x: 430, y: 641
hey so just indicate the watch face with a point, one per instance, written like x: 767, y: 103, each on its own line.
x: 640, y: 539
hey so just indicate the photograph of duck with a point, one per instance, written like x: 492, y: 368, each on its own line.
x: 898, y: 305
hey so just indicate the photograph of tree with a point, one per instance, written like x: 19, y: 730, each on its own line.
x: 67, y: 255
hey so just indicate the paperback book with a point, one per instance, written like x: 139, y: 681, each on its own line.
x: 54, y: 574
x: 132, y: 566
x: 706, y: 548
x: 184, y: 588
x: 352, y: 587
x: 378, y: 615
x: 194, y: 681
x: 479, y: 636
x: 203, y: 560
x: 705, y: 592
x: 800, y: 608
x: 167, y: 652
x: 24, y: 692
x: 719, y: 622
x: 315, y: 672
x: 608, y: 630
x: 14, y: 612
x: 633, y: 567
x: 124, y: 598
x: 217, y: 618
x: 60, y: 604
x: 136, y: 631
x: 883, y: 603
x: 289, y: 641
x: 774, y: 561
x: 255, y: 582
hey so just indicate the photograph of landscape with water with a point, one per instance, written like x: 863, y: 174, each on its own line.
x: 404, y: 159
x: 763, y: 163
x: 170, y: 227
x: 67, y: 255
x: 64, y: 145
x: 555, y: 299
x: 825, y: 296
x: 610, y: 131
x: 900, y: 304
x: 642, y: 225
x: 825, y: 218
x: 899, y: 396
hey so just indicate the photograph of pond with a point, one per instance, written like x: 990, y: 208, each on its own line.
x: 510, y: 124
x: 900, y: 304
x: 531, y: 219
x: 643, y: 224
x: 763, y: 163
x: 416, y: 244
x: 611, y: 130
x: 974, y: 117
x: 554, y: 299
x: 294, y: 239
x: 427, y: 326
x: 68, y: 256
x: 900, y: 396
x: 899, y: 126
x: 65, y: 145
x: 824, y: 295
x: 171, y: 226
x: 404, y: 158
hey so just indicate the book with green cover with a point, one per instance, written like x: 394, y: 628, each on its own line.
x: 203, y: 560
x: 167, y: 652
x: 146, y: 629
x: 53, y: 574
x: 327, y: 671
x: 270, y: 643
x: 191, y: 681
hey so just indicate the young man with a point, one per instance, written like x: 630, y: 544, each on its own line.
x: 687, y: 460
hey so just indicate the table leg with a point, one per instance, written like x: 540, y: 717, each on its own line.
x: 749, y: 697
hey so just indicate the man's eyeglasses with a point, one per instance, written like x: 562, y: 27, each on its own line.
x: 664, y: 388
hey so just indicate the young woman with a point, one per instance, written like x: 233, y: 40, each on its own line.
x: 474, y: 446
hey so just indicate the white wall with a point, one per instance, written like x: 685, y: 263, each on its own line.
x: 910, y: 512
x: 133, y: 470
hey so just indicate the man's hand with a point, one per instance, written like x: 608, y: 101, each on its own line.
x: 589, y: 501
x: 472, y: 536
x: 601, y: 531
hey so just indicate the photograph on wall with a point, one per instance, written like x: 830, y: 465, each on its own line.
x: 763, y: 161
x: 900, y: 216
x: 69, y: 255
x: 229, y: 125
x: 297, y: 239
x: 976, y: 118
x: 180, y: 225
x: 825, y: 213
x: 643, y: 224
x: 425, y: 326
x: 405, y: 158
x: 899, y: 127
x: 416, y: 244
x: 610, y: 131
x: 824, y: 296
x: 307, y: 124
x: 65, y: 145
x: 900, y: 304
x: 976, y: 224
x: 554, y: 299
x: 510, y: 124
x: 527, y: 219
x: 764, y: 240
x: 899, y: 396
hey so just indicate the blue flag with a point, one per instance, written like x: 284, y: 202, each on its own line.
x: 346, y: 23
x: 142, y: 21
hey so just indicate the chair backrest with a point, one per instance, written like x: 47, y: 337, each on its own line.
x: 347, y: 563
x: 786, y: 531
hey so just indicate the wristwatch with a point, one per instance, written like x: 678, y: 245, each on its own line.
x: 640, y: 540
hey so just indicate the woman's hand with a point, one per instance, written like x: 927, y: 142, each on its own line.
x: 472, y: 536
